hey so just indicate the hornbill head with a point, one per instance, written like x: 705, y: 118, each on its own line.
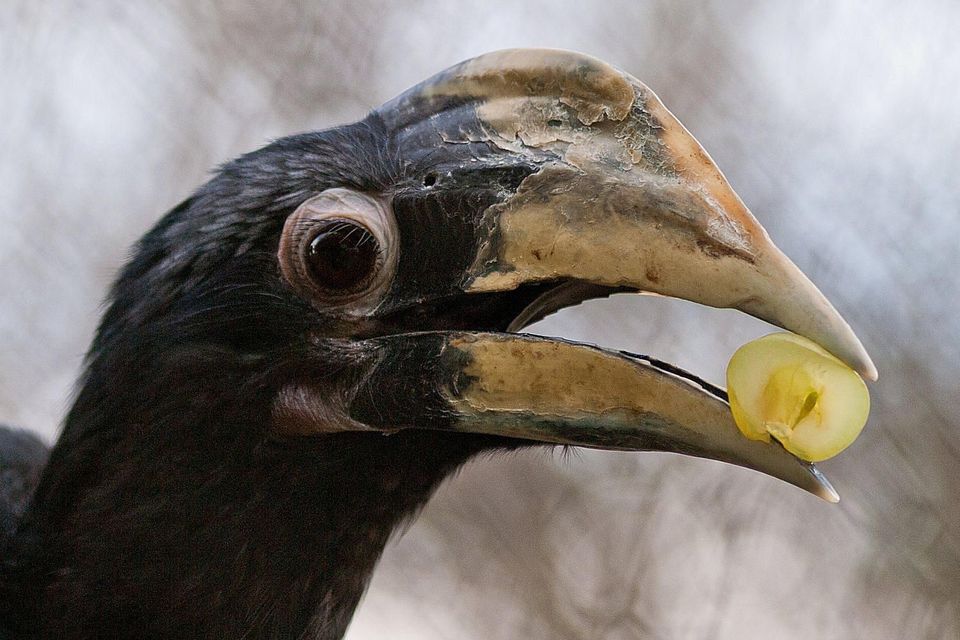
x: 521, y: 182
x: 298, y: 353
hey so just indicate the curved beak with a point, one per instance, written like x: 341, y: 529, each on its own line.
x: 559, y: 392
x: 624, y: 196
x: 617, y: 196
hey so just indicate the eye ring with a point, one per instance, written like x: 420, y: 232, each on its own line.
x: 339, y: 250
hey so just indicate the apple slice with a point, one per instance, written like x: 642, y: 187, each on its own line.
x: 788, y: 387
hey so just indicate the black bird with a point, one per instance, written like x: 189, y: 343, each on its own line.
x: 296, y: 355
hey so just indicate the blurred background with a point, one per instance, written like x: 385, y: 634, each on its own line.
x: 837, y: 123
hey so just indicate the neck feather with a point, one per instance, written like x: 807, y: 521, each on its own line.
x: 167, y: 510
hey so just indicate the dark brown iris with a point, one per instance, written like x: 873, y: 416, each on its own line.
x: 342, y: 256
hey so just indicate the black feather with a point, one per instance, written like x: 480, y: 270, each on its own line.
x: 168, y: 507
x: 22, y: 457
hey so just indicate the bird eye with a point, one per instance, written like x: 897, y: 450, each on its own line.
x: 339, y: 249
x: 341, y: 256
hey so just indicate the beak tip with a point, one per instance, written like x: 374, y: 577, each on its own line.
x: 860, y: 361
x: 823, y: 489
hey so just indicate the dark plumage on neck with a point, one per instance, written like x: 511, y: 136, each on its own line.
x: 169, y: 506
x: 202, y: 524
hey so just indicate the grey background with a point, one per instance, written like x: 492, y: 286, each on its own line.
x: 837, y: 122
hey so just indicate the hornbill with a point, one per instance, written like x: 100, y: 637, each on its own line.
x: 296, y: 355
